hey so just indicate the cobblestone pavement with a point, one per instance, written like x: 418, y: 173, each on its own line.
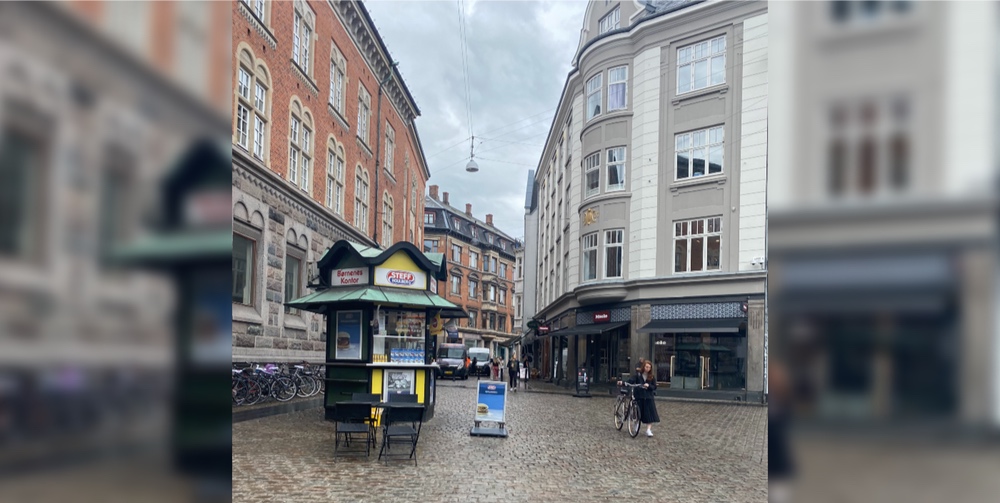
x: 560, y: 449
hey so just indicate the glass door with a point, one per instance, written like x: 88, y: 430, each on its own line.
x: 664, y: 353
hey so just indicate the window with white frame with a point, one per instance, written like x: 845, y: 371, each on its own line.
x: 616, y: 169
x: 336, y: 170
x: 251, y: 107
x: 592, y: 170
x: 493, y: 293
x: 302, y: 38
x: 257, y: 7
x: 613, y: 240
x: 493, y: 265
x: 456, y: 285
x: 594, y: 96
x: 611, y: 21
x: 473, y: 289
x: 387, y: 218
x: 390, y: 146
x: 243, y: 269
x: 473, y: 259
x: 701, y: 65
x: 699, y: 153
x: 364, y: 113
x: 300, y: 147
x: 503, y: 297
x: 361, y: 199
x: 294, y: 271
x: 618, y: 88
x: 503, y: 270
x: 698, y: 245
x: 590, y: 256
x: 456, y: 254
x: 337, y: 72
x: 429, y: 218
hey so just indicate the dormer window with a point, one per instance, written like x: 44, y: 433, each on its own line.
x: 610, y: 21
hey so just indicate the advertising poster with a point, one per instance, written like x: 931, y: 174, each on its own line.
x: 348, y: 335
x: 399, y: 382
x: 491, y: 404
x: 212, y: 334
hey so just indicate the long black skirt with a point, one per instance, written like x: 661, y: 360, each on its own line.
x: 647, y: 410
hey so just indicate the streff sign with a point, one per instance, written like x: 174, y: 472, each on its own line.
x: 397, y: 278
x: 349, y: 277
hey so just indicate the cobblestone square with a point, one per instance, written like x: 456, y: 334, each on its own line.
x: 559, y: 449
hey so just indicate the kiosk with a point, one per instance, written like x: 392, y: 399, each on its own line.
x: 380, y: 308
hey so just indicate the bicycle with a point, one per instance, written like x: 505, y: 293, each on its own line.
x: 627, y: 410
x: 281, y: 387
x: 306, y: 382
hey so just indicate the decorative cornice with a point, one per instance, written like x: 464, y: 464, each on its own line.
x: 258, y: 25
x: 303, y: 77
x: 365, y: 38
x: 318, y: 218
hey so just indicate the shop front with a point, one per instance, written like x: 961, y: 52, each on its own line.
x: 382, y: 319
x: 693, y: 355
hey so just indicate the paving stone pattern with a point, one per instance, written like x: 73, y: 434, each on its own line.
x: 560, y: 449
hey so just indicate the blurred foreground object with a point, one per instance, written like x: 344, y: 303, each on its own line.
x: 97, y: 101
x: 883, y: 241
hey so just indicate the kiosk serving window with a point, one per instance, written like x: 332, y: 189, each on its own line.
x: 400, y: 338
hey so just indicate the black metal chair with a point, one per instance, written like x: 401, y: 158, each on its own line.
x: 372, y: 398
x: 402, y: 398
x: 351, y: 421
x: 401, y: 425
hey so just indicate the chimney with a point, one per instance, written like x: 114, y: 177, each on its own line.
x: 434, y: 192
x: 468, y: 209
x: 489, y: 220
x: 445, y: 198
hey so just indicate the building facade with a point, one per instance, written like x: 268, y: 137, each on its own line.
x: 650, y: 200
x: 883, y: 222
x: 306, y: 173
x: 481, y: 263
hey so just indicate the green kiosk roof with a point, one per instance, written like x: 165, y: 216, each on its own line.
x: 375, y: 294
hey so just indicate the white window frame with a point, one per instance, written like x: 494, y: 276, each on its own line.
x: 712, y: 53
x: 593, y: 90
x: 691, y: 230
x: 611, y: 21
x: 473, y: 286
x: 243, y: 83
x: 589, y: 245
x: 473, y: 259
x: 302, y: 38
x: 242, y: 124
x: 614, y: 238
x: 361, y: 199
x: 617, y: 163
x: 592, y: 166
x: 364, y: 114
x: 428, y: 219
x: 388, y: 208
x: 336, y: 87
x: 456, y: 285
x: 390, y: 146
x: 618, y: 76
x: 712, y: 139
x: 456, y: 250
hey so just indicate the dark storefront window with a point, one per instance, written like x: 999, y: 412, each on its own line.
x: 712, y: 361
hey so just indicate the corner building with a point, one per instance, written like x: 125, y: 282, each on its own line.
x: 650, y: 201
x: 307, y: 128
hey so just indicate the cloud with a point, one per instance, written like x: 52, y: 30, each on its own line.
x: 519, y: 54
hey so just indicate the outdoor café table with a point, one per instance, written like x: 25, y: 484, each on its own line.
x: 384, y: 405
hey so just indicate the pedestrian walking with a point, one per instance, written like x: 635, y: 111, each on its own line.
x: 512, y: 370
x: 644, y: 394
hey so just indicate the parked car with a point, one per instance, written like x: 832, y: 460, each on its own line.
x: 482, y: 356
x: 451, y: 361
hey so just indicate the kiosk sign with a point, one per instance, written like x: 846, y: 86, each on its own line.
x: 491, y: 403
x: 349, y: 277
x: 385, y: 276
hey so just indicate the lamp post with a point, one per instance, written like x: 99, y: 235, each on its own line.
x: 378, y: 144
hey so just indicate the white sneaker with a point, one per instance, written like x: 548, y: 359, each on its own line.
x: 649, y: 433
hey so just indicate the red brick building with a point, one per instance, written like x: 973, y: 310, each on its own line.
x: 306, y: 132
x: 481, y: 261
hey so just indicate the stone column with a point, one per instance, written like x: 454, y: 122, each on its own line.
x: 639, y: 343
x: 755, y: 350
x: 571, y: 361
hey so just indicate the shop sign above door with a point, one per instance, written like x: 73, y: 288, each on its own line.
x: 385, y: 276
x: 602, y: 316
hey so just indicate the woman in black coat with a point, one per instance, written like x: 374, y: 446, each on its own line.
x: 644, y: 394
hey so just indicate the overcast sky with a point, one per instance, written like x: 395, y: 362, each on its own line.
x: 519, y: 53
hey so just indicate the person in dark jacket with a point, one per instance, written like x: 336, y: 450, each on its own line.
x: 644, y: 394
x: 512, y: 369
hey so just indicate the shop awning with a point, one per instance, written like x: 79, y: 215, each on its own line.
x: 683, y: 326
x: 599, y: 328
x: 318, y: 302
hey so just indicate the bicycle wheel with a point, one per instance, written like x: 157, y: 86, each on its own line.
x: 283, y: 389
x: 254, y: 392
x: 239, y: 391
x: 633, y: 420
x: 620, y: 414
x: 317, y: 385
x: 304, y: 386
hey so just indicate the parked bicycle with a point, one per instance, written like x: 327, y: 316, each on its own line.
x: 627, y: 410
x: 254, y: 383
